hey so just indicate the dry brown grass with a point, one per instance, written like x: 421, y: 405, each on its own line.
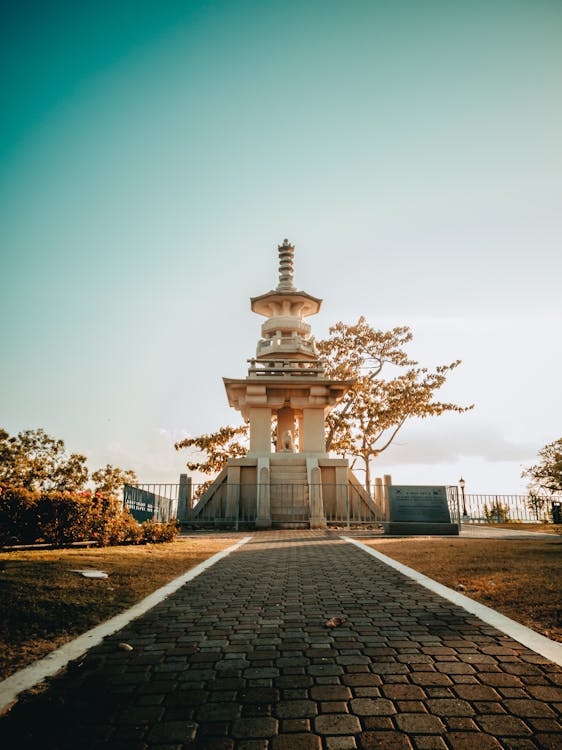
x: 522, y: 578
x: 544, y: 528
x: 44, y: 604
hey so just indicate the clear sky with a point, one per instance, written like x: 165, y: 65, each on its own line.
x: 153, y: 155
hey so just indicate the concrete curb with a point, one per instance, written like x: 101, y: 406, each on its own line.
x: 30, y: 676
x: 527, y: 637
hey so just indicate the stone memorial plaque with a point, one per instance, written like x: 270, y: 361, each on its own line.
x: 417, y: 509
x: 418, y: 503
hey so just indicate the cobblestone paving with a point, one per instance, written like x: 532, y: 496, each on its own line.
x: 240, y: 659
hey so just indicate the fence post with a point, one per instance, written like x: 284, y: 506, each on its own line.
x: 386, y: 485
x: 184, y: 499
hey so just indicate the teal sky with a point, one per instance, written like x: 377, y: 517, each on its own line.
x: 153, y: 154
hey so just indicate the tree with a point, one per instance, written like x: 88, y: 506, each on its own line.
x: 110, y: 479
x: 373, y: 411
x: 546, y: 476
x: 216, y: 448
x: 371, y: 414
x: 36, y: 461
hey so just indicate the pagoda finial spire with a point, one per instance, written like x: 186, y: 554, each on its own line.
x: 286, y: 255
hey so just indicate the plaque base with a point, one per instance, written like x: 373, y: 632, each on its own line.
x: 420, y: 528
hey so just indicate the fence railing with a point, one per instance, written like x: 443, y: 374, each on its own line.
x: 343, y: 505
x: 504, y: 508
x: 157, y: 502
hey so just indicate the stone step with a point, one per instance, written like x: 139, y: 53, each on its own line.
x: 289, y: 492
x: 286, y: 459
x: 299, y: 513
x: 289, y: 482
x: 288, y: 471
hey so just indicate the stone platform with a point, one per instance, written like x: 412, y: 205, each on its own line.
x: 240, y: 659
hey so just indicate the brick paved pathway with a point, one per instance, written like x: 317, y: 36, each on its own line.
x: 240, y: 658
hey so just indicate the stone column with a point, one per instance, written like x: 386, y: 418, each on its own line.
x: 387, y: 483
x: 379, y: 500
x: 232, y: 493
x: 315, y: 498
x: 260, y: 431
x: 301, y: 434
x: 184, y: 499
x: 313, y: 431
x: 263, y: 499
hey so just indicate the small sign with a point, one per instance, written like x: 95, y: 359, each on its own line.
x: 421, y: 504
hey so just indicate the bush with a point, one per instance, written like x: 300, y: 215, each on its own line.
x: 61, y: 518
x: 538, y: 505
x: 496, y: 512
x: 111, y: 524
x: 154, y: 533
x: 17, y: 516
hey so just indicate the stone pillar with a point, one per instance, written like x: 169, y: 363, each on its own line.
x: 315, y: 499
x: 232, y: 493
x: 382, y: 510
x: 301, y: 434
x: 260, y: 431
x: 263, y: 499
x: 313, y: 431
x: 285, y: 423
x: 387, y: 483
x: 184, y: 499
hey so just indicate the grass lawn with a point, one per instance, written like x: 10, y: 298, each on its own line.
x: 44, y: 604
x: 521, y: 578
x: 544, y: 528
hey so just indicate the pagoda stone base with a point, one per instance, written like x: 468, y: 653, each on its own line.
x: 287, y: 490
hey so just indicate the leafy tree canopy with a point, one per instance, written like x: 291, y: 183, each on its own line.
x: 110, y: 479
x: 34, y: 460
x: 215, y: 448
x: 546, y: 476
x: 376, y: 407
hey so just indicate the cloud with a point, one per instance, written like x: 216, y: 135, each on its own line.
x: 437, y: 446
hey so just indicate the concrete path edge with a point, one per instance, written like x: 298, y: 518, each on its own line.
x: 527, y: 637
x: 49, y: 665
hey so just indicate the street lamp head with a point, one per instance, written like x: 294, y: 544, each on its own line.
x: 462, y: 483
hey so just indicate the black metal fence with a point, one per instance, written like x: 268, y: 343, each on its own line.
x: 158, y: 502
x: 344, y: 505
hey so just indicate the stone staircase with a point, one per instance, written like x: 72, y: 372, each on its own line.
x: 289, y: 492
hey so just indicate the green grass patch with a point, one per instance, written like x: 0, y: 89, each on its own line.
x: 44, y: 604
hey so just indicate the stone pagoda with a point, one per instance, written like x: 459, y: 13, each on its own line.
x: 287, y: 477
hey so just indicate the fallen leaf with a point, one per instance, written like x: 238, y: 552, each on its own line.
x: 125, y: 646
x: 333, y: 622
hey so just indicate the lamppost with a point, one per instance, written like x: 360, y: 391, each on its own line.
x: 461, y: 485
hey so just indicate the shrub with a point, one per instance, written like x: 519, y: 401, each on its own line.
x: 61, y: 518
x: 538, y: 504
x: 496, y: 512
x: 154, y: 533
x: 108, y: 521
x: 17, y: 516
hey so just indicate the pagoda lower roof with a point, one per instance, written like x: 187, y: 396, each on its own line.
x: 265, y: 303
